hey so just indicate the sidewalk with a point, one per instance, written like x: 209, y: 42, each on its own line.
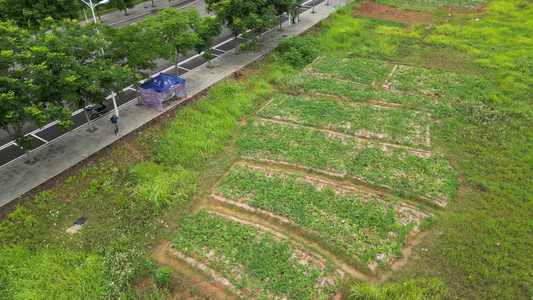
x: 18, y: 178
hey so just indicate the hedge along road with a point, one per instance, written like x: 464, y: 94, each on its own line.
x: 58, y: 151
x: 10, y: 152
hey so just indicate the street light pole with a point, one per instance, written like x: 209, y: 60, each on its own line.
x: 92, y: 6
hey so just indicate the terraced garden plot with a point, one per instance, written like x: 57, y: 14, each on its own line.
x: 363, y: 226
x: 395, y: 124
x: 460, y: 5
x: 301, y: 146
x: 255, y: 262
x: 408, y: 172
x: 348, y: 90
x: 447, y: 86
x: 360, y: 70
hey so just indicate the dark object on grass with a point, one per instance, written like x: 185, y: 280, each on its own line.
x: 81, y: 221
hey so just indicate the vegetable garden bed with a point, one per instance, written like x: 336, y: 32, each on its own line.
x: 361, y: 92
x: 407, y: 171
x: 366, y: 228
x: 457, y: 5
x: 360, y: 70
x: 445, y: 86
x: 362, y: 119
x: 257, y: 263
x: 298, y: 145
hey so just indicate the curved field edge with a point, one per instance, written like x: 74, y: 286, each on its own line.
x: 361, y: 226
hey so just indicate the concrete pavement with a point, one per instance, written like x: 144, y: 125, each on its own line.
x: 18, y: 178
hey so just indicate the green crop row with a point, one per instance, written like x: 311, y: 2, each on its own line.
x: 381, y: 22
x: 398, y: 125
x: 361, y: 70
x: 253, y: 260
x: 353, y: 222
x: 431, y: 178
x: 463, y: 5
x: 406, y: 172
x: 448, y: 86
x: 297, y: 145
x: 356, y: 92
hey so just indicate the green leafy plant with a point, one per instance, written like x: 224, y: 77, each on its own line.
x: 297, y: 51
x: 163, y: 276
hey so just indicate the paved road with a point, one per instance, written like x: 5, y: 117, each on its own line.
x: 57, y: 151
x: 10, y: 152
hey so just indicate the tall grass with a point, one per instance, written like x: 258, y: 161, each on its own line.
x: 51, y: 274
x: 199, y: 132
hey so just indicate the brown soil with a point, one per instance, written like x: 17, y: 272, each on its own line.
x: 385, y: 12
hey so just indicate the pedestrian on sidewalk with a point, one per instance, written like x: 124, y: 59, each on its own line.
x: 114, y: 122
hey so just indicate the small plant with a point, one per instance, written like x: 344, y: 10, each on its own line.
x: 163, y: 276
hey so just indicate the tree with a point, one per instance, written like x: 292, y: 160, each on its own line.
x: 134, y: 47
x: 240, y: 15
x: 87, y: 75
x: 123, y: 5
x: 207, y: 30
x: 31, y: 13
x: 21, y: 99
x: 281, y: 7
x: 298, y: 5
x: 174, y: 30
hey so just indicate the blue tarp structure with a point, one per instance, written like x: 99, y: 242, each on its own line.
x: 161, y: 88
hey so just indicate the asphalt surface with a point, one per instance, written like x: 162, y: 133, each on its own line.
x: 56, y: 151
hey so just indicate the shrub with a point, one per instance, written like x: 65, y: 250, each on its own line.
x: 164, y: 276
x: 297, y: 51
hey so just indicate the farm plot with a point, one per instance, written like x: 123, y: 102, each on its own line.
x: 367, y: 228
x: 299, y: 146
x: 360, y: 70
x: 395, y: 124
x: 348, y: 90
x: 255, y: 262
x: 459, y: 5
x: 447, y: 86
x: 408, y: 172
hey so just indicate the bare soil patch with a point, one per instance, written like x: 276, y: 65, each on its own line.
x: 385, y: 12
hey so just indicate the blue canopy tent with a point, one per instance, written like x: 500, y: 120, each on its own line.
x: 161, y: 88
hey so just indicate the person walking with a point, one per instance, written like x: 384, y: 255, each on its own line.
x: 114, y: 122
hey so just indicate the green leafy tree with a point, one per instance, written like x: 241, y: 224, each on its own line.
x: 123, y: 5
x: 31, y: 13
x: 21, y: 98
x: 240, y: 15
x: 87, y: 75
x: 174, y: 30
x: 207, y: 30
x: 134, y: 47
x: 297, y: 5
x: 281, y: 7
